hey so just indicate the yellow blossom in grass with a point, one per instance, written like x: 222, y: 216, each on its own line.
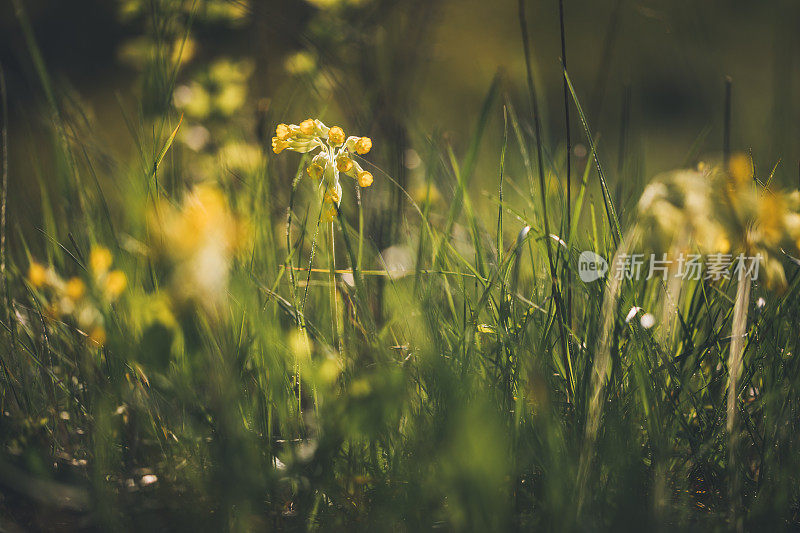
x: 363, y: 145
x: 198, y: 239
x: 100, y: 260
x: 364, y: 178
x: 37, y: 274
x: 426, y: 193
x: 115, y: 283
x: 344, y: 164
x: 771, y: 216
x: 721, y: 244
x: 307, y: 127
x: 230, y: 98
x: 741, y: 169
x: 75, y: 289
x: 334, y: 156
x: 336, y: 135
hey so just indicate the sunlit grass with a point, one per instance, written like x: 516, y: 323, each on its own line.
x: 194, y: 351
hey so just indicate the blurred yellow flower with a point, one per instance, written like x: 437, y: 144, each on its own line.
x: 70, y: 300
x: 115, y: 283
x: 198, y: 239
x: 300, y: 63
x: 721, y: 212
x: 230, y: 98
x: 37, y: 275
x: 100, y: 260
x: 741, y: 169
x: 75, y: 289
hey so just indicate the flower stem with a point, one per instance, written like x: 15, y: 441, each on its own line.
x: 332, y: 289
x: 738, y: 333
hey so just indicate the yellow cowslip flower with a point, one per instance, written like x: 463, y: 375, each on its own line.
x: 282, y: 132
x: 75, y: 289
x: 332, y: 196
x: 115, y: 283
x: 364, y: 178
x: 100, y: 260
x: 336, y: 135
x: 363, y: 145
x: 315, y: 170
x: 279, y: 145
x: 307, y: 127
x: 335, y: 156
x: 37, y: 275
x: 344, y: 163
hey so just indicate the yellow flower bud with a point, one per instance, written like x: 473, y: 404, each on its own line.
x: 37, y: 275
x: 364, y: 178
x: 332, y: 196
x: 282, y: 131
x: 100, y: 260
x: 307, y: 127
x: 315, y: 170
x: 115, y: 283
x: 344, y: 164
x: 363, y: 145
x: 279, y: 145
x: 75, y: 289
x: 329, y: 213
x: 336, y: 135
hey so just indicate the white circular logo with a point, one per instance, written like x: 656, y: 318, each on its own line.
x: 591, y: 266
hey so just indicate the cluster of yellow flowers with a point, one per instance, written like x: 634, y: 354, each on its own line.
x: 71, y: 299
x: 335, y: 157
x: 723, y: 211
x: 221, y: 90
x: 198, y: 239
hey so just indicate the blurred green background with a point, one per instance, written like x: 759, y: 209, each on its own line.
x: 668, y: 58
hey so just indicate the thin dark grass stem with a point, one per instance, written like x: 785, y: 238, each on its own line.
x: 568, y: 139
x: 543, y: 191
